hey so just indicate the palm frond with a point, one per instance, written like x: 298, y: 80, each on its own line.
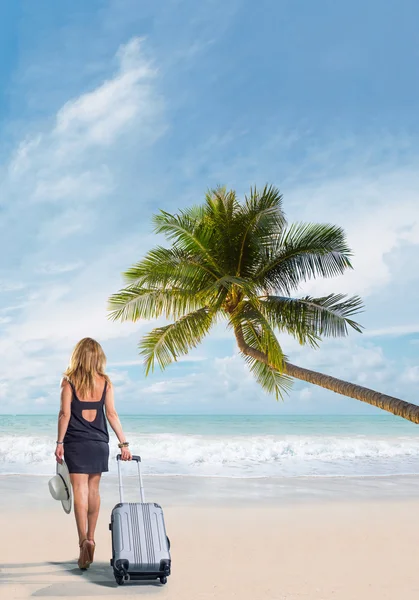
x: 308, y: 318
x: 270, y: 379
x: 166, y: 344
x: 136, y: 302
x: 229, y: 281
x: 222, y: 207
x: 187, y: 234
x: 258, y: 334
x: 261, y: 217
x: 303, y: 252
x: 263, y: 210
x: 165, y: 267
x: 254, y: 323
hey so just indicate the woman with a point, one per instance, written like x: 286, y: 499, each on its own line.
x: 83, y: 438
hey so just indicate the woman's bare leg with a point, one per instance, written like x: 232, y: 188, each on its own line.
x: 94, y: 505
x: 80, y: 483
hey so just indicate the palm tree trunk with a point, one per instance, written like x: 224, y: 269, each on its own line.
x: 389, y: 403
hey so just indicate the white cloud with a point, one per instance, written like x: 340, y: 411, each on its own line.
x: 232, y: 371
x: 118, y: 377
x: 98, y: 117
x: 139, y: 362
x: 68, y: 223
x: 87, y: 185
x: 125, y: 363
x: 168, y: 386
x: 51, y: 268
x: 376, y: 227
x: 411, y: 374
x: 71, y: 160
x: 305, y: 393
x: 78, y: 308
x: 395, y: 330
x: 349, y: 359
x: 41, y: 400
x: 22, y: 158
x: 11, y: 286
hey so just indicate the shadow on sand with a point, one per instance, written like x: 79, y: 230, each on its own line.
x: 98, y: 580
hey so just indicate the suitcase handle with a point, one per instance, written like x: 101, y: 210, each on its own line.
x: 137, y: 459
x: 133, y: 457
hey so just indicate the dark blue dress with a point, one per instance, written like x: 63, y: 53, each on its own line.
x: 86, y: 444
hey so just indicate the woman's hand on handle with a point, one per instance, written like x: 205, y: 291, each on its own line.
x: 125, y: 453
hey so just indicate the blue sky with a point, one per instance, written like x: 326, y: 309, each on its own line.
x: 110, y: 110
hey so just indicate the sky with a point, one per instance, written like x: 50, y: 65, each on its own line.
x: 113, y: 109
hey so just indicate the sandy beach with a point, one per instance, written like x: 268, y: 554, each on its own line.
x: 339, y: 544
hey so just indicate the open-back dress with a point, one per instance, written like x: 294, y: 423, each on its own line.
x: 86, y: 443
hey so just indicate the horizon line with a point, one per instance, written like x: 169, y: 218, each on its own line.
x: 214, y: 415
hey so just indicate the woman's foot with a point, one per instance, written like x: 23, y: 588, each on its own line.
x: 84, y: 561
x: 91, y: 549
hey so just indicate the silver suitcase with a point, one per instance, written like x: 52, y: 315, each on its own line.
x: 140, y: 546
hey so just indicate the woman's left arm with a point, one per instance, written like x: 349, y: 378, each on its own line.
x: 63, y: 418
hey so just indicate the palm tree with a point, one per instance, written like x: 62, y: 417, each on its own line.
x: 241, y: 262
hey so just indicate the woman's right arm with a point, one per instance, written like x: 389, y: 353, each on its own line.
x: 114, y: 421
x: 63, y: 418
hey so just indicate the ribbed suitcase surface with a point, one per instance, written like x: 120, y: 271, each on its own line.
x: 139, y: 536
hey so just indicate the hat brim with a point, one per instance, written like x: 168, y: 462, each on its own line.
x: 62, y: 471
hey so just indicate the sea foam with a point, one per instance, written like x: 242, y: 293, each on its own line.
x: 236, y: 456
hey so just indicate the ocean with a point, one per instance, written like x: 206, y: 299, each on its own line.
x: 234, y: 446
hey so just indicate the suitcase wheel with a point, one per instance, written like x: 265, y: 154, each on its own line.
x: 120, y: 571
x: 163, y: 580
x: 121, y: 578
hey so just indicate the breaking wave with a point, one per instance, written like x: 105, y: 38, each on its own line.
x: 236, y: 456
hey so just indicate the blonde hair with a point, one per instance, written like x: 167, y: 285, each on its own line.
x: 87, y: 360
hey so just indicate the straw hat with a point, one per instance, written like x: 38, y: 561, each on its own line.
x: 60, y: 486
